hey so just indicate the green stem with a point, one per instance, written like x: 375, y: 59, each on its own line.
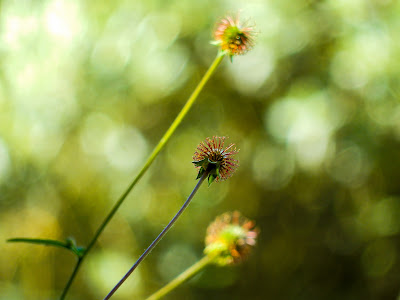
x: 159, y: 237
x: 71, y: 278
x: 147, y: 164
x: 190, y: 272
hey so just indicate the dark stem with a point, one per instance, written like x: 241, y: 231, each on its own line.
x: 71, y: 278
x: 160, y: 236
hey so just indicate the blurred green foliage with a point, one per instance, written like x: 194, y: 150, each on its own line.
x: 88, y: 87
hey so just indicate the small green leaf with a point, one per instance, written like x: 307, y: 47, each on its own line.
x: 211, y: 178
x: 210, y: 166
x: 201, y: 163
x: 201, y: 172
x: 69, y: 244
x: 45, y: 242
x: 217, y: 170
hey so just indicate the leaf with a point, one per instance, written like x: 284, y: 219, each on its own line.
x: 211, y: 178
x: 69, y: 244
x: 201, y: 172
x: 200, y: 163
x: 39, y: 241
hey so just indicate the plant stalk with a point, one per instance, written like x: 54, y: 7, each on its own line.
x: 147, y: 164
x: 71, y: 278
x: 186, y: 275
x: 159, y: 237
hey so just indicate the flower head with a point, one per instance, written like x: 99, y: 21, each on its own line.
x: 211, y: 156
x: 233, y: 37
x: 230, y: 238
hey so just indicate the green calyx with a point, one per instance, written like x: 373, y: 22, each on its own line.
x: 212, y: 167
x: 219, y: 253
x: 220, y: 250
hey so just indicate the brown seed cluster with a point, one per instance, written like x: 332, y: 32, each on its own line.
x: 212, y: 150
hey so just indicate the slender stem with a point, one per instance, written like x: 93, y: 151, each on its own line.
x: 190, y: 272
x: 159, y: 147
x: 147, y: 164
x: 160, y: 236
x: 71, y: 278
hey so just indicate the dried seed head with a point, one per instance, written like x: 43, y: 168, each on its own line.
x: 211, y: 156
x: 233, y: 37
x: 230, y: 238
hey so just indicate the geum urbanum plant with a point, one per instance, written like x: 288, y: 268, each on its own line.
x: 229, y: 241
x: 214, y: 162
x: 232, y: 38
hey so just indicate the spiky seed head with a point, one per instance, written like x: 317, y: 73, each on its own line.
x: 213, y: 157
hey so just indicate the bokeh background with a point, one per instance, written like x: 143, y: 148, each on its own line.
x: 87, y: 88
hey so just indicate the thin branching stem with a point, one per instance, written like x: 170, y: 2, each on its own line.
x: 71, y: 278
x: 147, y: 164
x: 159, y: 237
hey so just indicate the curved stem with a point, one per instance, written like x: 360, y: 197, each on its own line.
x: 190, y: 272
x: 147, y: 164
x: 159, y: 237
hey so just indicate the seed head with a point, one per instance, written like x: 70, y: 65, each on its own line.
x: 211, y: 156
x: 233, y: 37
x: 230, y: 238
